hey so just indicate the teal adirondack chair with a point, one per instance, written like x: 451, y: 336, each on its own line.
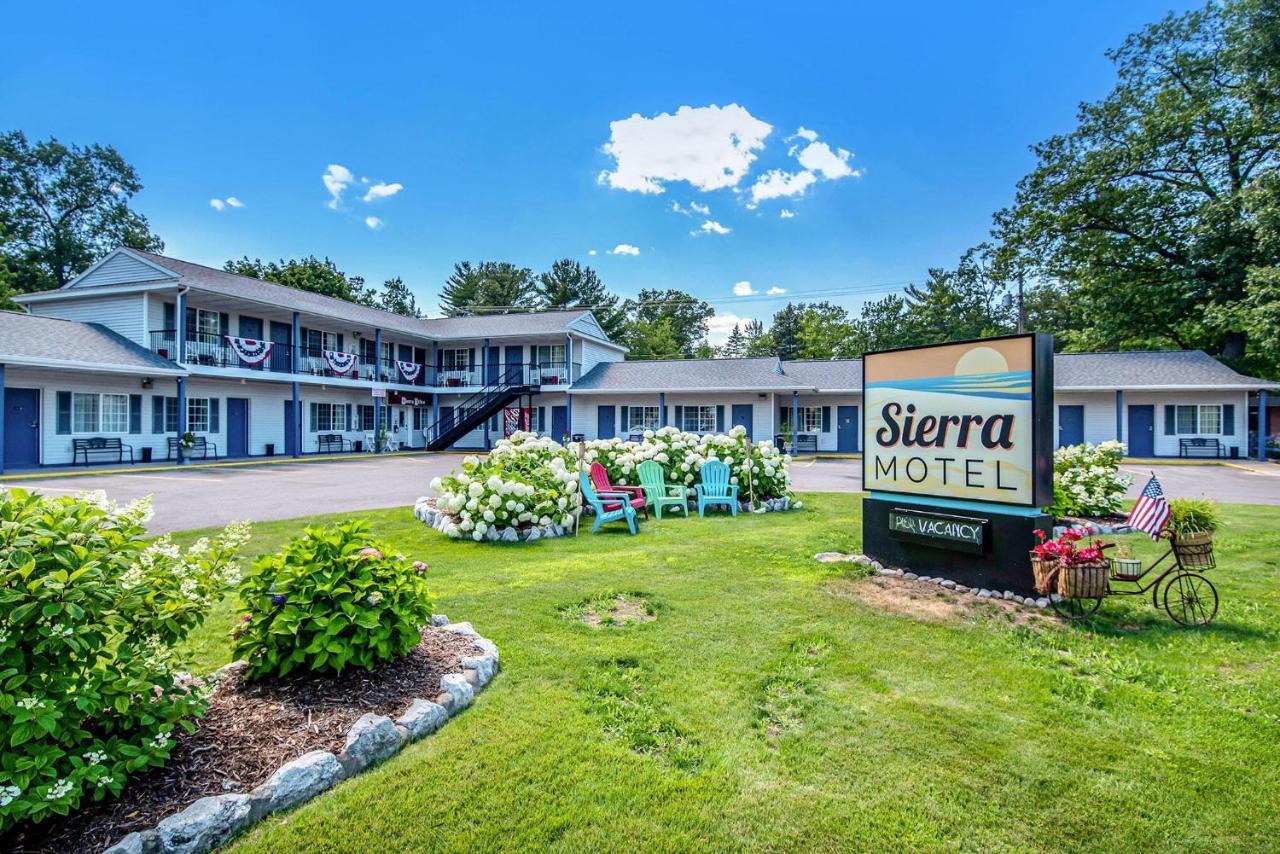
x: 658, y: 491
x: 715, y: 487
x: 618, y: 501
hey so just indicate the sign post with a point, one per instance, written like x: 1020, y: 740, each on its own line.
x: 958, y: 457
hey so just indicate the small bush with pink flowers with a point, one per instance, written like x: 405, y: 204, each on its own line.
x: 330, y: 599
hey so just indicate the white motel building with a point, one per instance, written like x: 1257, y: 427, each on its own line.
x: 141, y: 350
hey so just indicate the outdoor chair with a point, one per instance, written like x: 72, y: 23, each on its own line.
x: 634, y: 494
x: 658, y: 491
x: 715, y: 487
x: 611, y: 511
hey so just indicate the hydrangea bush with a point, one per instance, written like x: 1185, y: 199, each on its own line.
x: 332, y: 598
x: 90, y: 613
x: 525, y: 480
x: 1087, y: 479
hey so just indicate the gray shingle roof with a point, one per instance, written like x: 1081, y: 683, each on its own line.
x: 501, y: 325
x: 49, y: 340
x: 1138, y: 369
x: 826, y: 374
x: 688, y: 375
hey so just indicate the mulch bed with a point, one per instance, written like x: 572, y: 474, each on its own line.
x: 249, y: 731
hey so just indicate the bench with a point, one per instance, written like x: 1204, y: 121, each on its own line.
x: 1201, y: 447
x: 806, y: 443
x: 200, y: 447
x: 101, y: 445
x: 328, y: 443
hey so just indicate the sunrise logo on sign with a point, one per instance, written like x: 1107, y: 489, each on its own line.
x: 954, y: 421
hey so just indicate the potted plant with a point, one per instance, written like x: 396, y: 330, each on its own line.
x: 1192, y: 522
x: 188, y: 440
x: 1044, y: 563
x: 1084, y: 572
x: 1124, y: 565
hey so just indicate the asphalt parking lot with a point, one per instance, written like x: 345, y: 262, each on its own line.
x: 206, y: 497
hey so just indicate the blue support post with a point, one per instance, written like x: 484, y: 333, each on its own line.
x: 182, y: 416
x: 377, y: 378
x: 1119, y: 415
x: 484, y: 381
x: 2, y: 412
x: 1262, y: 425
x: 296, y: 337
x: 662, y: 409
x: 795, y: 420
x: 180, y: 334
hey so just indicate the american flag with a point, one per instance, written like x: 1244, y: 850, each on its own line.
x: 1150, y: 511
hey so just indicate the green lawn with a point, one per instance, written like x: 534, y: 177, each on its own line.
x: 767, y: 707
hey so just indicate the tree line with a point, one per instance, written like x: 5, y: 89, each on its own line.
x: 1154, y: 223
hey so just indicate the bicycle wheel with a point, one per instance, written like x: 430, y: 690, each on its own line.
x: 1190, y: 599
x: 1075, y: 609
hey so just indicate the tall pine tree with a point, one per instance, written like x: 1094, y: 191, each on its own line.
x: 568, y: 284
x: 490, y: 287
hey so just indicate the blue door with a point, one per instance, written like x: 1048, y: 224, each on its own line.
x: 1142, y: 431
x: 605, y: 421
x: 846, y: 429
x: 515, y: 369
x: 251, y: 327
x: 1070, y: 425
x: 282, y: 353
x: 237, y: 427
x: 493, y: 367
x: 559, y: 422
x: 742, y: 416
x: 290, y: 428
x: 21, y: 427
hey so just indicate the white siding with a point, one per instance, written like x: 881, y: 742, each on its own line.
x: 121, y: 269
x: 122, y: 313
x: 1100, y: 416
x: 593, y: 354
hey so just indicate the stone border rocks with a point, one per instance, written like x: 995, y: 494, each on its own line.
x: 1038, y: 603
x: 211, y: 821
x: 425, y: 510
x: 769, y: 505
x: 1091, y: 529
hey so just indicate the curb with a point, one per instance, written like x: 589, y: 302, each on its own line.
x: 263, y: 461
x: 214, y: 820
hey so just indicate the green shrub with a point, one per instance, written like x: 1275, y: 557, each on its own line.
x: 332, y: 598
x: 90, y: 613
x: 1190, y: 515
x: 1087, y: 479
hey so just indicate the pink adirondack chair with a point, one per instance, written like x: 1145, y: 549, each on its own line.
x: 600, y: 480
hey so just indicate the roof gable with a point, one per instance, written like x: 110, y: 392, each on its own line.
x: 121, y: 267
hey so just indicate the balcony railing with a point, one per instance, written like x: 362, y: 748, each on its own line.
x: 216, y: 351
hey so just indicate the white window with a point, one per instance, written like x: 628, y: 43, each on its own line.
x: 1190, y: 419
x: 318, y: 340
x: 197, y: 415
x: 331, y: 416
x: 115, y: 413
x: 810, y: 419
x: 207, y: 324
x: 640, y: 418
x: 550, y: 355
x: 699, y: 419
x: 84, y: 413
x: 171, y: 414
x: 455, y: 360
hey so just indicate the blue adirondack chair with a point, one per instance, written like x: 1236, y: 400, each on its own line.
x: 619, y: 504
x: 715, y: 487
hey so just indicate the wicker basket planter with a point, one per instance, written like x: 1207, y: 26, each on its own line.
x: 1042, y: 569
x: 1083, y: 580
x: 1194, y: 549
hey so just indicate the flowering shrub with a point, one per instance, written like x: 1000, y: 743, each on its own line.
x: 525, y: 480
x: 1087, y: 479
x: 332, y: 598
x: 762, y: 473
x: 90, y: 613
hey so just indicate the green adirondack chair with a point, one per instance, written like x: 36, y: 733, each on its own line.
x: 621, y: 511
x: 658, y: 491
x: 715, y: 487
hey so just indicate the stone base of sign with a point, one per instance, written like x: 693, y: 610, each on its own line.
x: 1001, y: 563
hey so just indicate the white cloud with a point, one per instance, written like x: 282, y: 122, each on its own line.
x: 234, y: 202
x: 591, y: 251
x: 776, y: 184
x: 625, y: 249
x: 382, y: 191
x: 775, y: 291
x: 818, y: 157
x: 709, y: 147
x: 786, y: 214
x: 720, y: 325
x: 711, y: 227
x: 373, y: 222
x: 699, y: 209
x: 804, y: 133
x: 676, y: 207
x: 217, y: 204
x: 336, y: 179
x: 743, y: 289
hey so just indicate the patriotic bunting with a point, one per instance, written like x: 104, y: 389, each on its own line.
x: 409, y: 370
x: 250, y: 350
x: 340, y: 363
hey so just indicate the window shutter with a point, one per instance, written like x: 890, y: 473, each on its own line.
x: 315, y: 413
x: 621, y: 426
x: 213, y: 415
x: 157, y: 413
x: 349, y: 425
x: 720, y: 418
x: 439, y: 359
x: 1168, y: 420
x: 135, y: 413
x: 191, y: 321
x: 341, y: 349
x: 224, y: 323
x: 542, y: 419
x: 679, y: 417
x: 303, y: 335
x: 784, y: 416
x: 826, y: 419
x: 63, y: 427
x: 471, y: 359
x: 1229, y: 419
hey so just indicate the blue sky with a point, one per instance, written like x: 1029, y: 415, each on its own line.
x: 508, y: 129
